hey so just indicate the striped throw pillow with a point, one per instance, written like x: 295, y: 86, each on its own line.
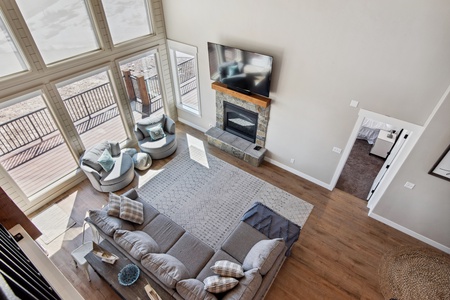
x: 228, y: 269
x: 218, y: 284
x: 131, y: 210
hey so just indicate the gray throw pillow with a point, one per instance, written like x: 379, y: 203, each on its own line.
x: 193, y: 289
x: 263, y: 255
x: 136, y: 243
x: 247, y: 287
x: 114, y: 205
x: 166, y: 268
x: 114, y: 148
x: 108, y: 224
x: 131, y: 210
x: 218, y: 284
x: 91, y: 155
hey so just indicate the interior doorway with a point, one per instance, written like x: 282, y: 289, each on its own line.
x: 365, y: 165
x: 405, y: 129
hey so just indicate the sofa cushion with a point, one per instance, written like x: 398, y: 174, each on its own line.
x: 263, y: 255
x: 114, y: 205
x: 136, y: 243
x: 246, y: 237
x: 131, y: 193
x: 219, y: 255
x: 164, y: 231
x: 247, y: 286
x: 148, y: 145
x: 106, y: 161
x: 228, y: 269
x: 156, y: 132
x: 131, y: 210
x: 166, y: 268
x: 218, y: 284
x: 193, y: 289
x: 108, y: 224
x: 184, y: 249
x: 91, y: 155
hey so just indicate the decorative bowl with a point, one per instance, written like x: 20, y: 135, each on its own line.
x: 128, y: 275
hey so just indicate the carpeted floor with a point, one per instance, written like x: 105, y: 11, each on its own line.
x: 360, y: 170
x: 208, y: 196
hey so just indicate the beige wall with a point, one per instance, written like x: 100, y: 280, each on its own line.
x: 391, y: 56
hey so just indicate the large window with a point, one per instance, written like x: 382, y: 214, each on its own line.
x: 61, y: 29
x: 92, y: 108
x: 11, y: 60
x: 32, y: 149
x: 127, y: 19
x: 142, y: 82
x: 183, y: 59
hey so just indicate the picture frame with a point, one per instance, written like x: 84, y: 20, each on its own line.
x: 441, y: 168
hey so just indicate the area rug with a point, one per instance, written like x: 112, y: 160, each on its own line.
x: 52, y: 222
x: 208, y: 196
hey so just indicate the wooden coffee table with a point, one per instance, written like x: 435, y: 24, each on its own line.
x: 109, y: 273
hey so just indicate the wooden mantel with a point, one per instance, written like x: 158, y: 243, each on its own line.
x: 255, y: 99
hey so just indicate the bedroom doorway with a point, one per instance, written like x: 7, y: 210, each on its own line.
x: 391, y: 166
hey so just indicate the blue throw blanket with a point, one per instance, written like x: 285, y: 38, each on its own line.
x: 271, y: 224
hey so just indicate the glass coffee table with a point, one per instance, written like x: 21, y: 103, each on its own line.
x: 109, y: 273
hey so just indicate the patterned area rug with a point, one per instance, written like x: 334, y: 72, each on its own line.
x: 207, y: 196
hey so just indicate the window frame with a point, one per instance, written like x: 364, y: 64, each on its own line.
x: 191, y: 50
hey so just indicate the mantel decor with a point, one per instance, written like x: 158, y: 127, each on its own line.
x: 441, y: 168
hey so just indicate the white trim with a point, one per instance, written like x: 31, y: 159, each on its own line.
x: 192, y: 125
x: 410, y: 232
x: 415, y: 133
x: 298, y: 173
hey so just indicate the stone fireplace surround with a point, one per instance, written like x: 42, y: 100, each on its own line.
x: 231, y: 143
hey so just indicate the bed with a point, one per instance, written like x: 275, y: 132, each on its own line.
x: 369, y: 130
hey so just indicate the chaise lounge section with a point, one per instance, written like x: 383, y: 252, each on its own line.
x: 181, y: 263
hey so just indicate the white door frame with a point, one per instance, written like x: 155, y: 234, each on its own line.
x: 415, y: 133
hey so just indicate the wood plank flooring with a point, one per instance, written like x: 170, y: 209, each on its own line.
x: 336, y: 257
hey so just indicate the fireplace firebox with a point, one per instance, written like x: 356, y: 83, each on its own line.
x: 240, y: 121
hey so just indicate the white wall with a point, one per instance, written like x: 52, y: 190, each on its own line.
x: 425, y: 209
x: 391, y: 56
x: 388, y: 55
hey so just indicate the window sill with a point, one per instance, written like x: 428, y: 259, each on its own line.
x: 189, y: 110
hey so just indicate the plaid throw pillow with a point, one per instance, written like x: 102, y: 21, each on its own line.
x: 228, y: 269
x: 114, y: 205
x: 218, y: 284
x: 131, y: 210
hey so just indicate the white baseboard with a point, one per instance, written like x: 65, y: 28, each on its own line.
x: 298, y: 173
x: 410, y: 232
x: 192, y: 125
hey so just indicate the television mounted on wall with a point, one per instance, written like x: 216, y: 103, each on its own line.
x: 243, y: 71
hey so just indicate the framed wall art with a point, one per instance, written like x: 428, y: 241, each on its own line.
x: 441, y: 168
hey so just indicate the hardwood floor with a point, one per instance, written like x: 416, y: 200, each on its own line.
x: 336, y: 256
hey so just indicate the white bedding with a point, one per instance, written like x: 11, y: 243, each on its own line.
x: 369, y: 130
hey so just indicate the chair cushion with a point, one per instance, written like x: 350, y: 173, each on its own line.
x: 156, y: 132
x: 114, y: 148
x: 92, y: 155
x: 218, y: 284
x: 247, y: 286
x: 136, y: 243
x: 193, y: 289
x: 143, y: 124
x: 166, y: 268
x: 131, y: 210
x: 263, y: 255
x: 122, y: 166
x: 148, y: 145
x: 108, y: 224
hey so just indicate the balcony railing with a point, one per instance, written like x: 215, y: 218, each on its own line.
x: 33, y: 134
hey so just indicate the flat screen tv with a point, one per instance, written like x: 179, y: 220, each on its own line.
x: 244, y: 71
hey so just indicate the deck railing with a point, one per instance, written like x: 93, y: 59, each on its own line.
x: 87, y: 110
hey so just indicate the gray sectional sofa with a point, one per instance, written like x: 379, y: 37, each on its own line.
x: 179, y: 262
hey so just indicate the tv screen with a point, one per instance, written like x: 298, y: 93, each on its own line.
x: 243, y: 71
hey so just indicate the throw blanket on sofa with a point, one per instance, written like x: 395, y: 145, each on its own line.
x: 271, y: 224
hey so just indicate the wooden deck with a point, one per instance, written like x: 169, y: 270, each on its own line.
x: 48, y: 167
